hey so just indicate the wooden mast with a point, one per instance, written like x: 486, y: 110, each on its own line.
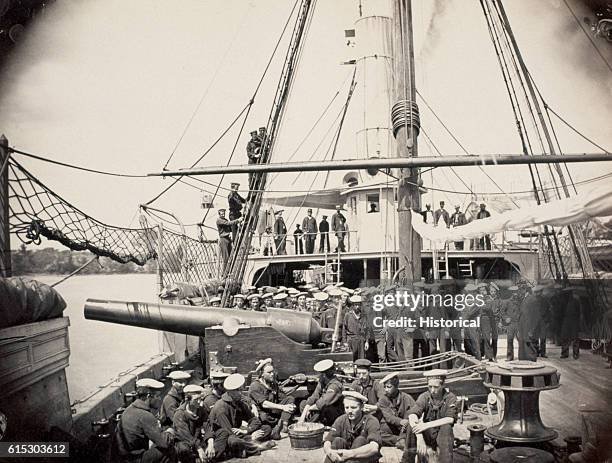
x: 5, y: 237
x: 405, y: 128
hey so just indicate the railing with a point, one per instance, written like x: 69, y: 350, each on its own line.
x: 275, y: 247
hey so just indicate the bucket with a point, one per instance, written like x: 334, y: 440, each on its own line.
x: 306, y: 436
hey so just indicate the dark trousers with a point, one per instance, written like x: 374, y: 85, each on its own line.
x: 472, y: 342
x: 512, y: 333
x: 274, y: 417
x: 541, y: 347
x: 488, y: 337
x: 565, y: 346
x: 528, y: 347
x: 420, y: 345
x: 339, y: 443
x: 340, y: 246
x: 324, y: 243
x: 485, y: 242
x: 281, y: 245
x: 310, y: 243
x: 225, y: 250
x: 185, y: 453
x: 357, y: 346
x: 440, y: 439
x: 299, y: 246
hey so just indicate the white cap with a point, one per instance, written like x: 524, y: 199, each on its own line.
x: 233, y: 382
x: 436, y: 373
x: 355, y: 395
x: 214, y: 299
x: 334, y: 292
x: 356, y: 299
x: 323, y: 365
x: 149, y: 383
x: 179, y: 374
x: 321, y: 296
x: 389, y: 377
x: 193, y: 389
x: 280, y: 297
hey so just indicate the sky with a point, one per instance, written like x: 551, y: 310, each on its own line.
x: 126, y: 86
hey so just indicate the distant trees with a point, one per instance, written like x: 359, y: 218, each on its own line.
x: 63, y: 261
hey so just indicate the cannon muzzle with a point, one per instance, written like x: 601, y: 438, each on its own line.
x: 186, y: 319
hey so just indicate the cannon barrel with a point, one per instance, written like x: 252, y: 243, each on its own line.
x: 185, y: 319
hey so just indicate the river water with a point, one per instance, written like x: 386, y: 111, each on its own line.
x: 100, y: 351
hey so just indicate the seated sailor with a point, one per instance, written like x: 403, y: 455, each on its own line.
x: 367, y: 386
x: 325, y: 403
x: 394, y: 407
x: 432, y: 418
x: 355, y: 436
x: 174, y: 397
x: 275, y: 408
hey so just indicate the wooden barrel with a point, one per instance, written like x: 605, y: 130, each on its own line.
x: 306, y: 436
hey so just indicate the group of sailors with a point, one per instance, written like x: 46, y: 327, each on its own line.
x: 528, y: 314
x: 226, y: 419
x: 457, y: 219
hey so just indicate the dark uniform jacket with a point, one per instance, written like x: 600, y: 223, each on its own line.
x: 169, y: 405
x: 328, y: 318
x: 483, y: 214
x: 280, y: 229
x: 368, y: 427
x: 227, y: 414
x: 259, y: 393
x: 335, y: 221
x: 235, y: 202
x: 254, y: 150
x: 137, y: 427
x: 187, y: 430
x: 309, y: 225
x: 324, y: 226
x: 432, y: 409
x: 224, y: 227
x: 351, y: 326
x: 327, y: 392
x: 394, y: 410
x: 458, y: 219
x: 373, y: 390
x: 442, y: 214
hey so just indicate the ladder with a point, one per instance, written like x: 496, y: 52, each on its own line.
x: 331, y: 275
x: 440, y: 263
x: 466, y: 269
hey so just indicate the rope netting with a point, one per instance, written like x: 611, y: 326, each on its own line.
x: 36, y: 211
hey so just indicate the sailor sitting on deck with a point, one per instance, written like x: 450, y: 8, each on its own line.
x: 174, y: 397
x: 431, y: 419
x: 325, y: 403
x: 275, y: 408
x: 354, y: 436
x: 191, y: 440
x: 394, y: 407
x: 367, y: 386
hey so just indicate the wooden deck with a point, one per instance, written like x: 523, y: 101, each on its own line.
x: 586, y: 386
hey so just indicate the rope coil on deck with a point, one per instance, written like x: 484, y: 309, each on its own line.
x: 403, y: 114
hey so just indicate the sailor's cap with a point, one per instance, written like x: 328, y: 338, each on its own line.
x: 234, y: 185
x: 301, y: 293
x: 267, y: 295
x: 193, y: 389
x: 253, y: 296
x: 340, y: 283
x: 338, y: 206
x: 325, y: 217
x: 149, y: 383
x: 214, y: 299
x: 250, y: 287
x: 309, y: 210
x: 357, y: 291
x: 347, y: 290
x: 355, y: 395
x: 457, y: 206
x: 321, y: 296
x: 436, y: 373
x: 482, y: 285
x: 363, y: 363
x: 389, y: 377
x: 335, y: 292
x: 254, y: 132
x: 356, y: 299
x: 323, y: 365
x: 282, y: 288
x: 279, y: 212
x: 233, y: 382
x: 218, y: 374
x: 470, y: 287
x: 328, y: 287
x: 280, y: 297
x: 262, y: 128
x: 293, y: 291
x: 239, y: 296
x: 179, y: 374
x: 221, y: 209
x: 263, y: 363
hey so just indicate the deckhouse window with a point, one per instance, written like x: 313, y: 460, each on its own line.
x: 373, y: 203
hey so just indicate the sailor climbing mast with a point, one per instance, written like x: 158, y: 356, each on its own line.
x: 405, y: 120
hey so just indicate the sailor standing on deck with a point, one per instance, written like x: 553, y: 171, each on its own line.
x: 442, y: 214
x: 174, y: 397
x: 309, y: 226
x: 432, y: 418
x: 298, y: 235
x: 224, y: 227
x: 138, y: 426
x: 324, y: 231
x: 457, y: 220
x: 354, y: 436
x: 234, y: 204
x: 352, y: 328
x: 485, y: 241
x: 280, y: 234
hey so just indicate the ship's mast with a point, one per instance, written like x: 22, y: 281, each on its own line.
x: 405, y: 119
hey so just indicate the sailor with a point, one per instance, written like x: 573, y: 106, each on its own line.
x: 234, y: 204
x: 309, y: 226
x: 432, y: 417
x: 530, y: 324
x: 355, y: 435
x: 253, y: 150
x: 214, y: 302
x: 298, y: 235
x: 250, y: 289
x: 335, y: 220
x: 254, y: 302
x: 280, y: 301
x: 262, y: 135
x: 275, y: 408
x: 324, y: 231
x: 280, y: 234
x: 333, y: 301
x: 238, y: 302
x: 442, y: 214
x: 570, y: 326
x: 268, y: 247
x: 366, y: 385
x: 229, y: 412
x: 488, y: 324
x: 421, y: 343
x: 353, y: 332
x: 174, y: 397
x: 193, y: 391
x: 138, y: 425
x: 511, y: 317
x: 394, y: 407
x: 325, y: 403
x: 341, y: 232
x: 457, y: 220
x: 216, y: 379
x: 472, y: 334
x: 266, y: 302
x: 224, y: 227
x: 485, y: 241
x: 189, y: 442
x: 301, y: 301
x: 428, y: 214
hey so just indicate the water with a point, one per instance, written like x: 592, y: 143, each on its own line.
x: 100, y: 351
